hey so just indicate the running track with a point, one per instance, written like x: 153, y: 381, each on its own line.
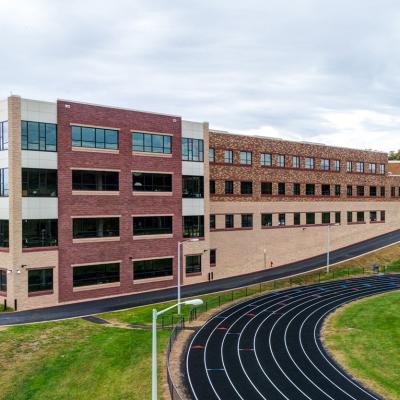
x: 270, y: 347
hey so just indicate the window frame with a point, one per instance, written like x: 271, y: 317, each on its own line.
x: 266, y: 159
x: 46, y: 278
x: 96, y: 132
x: 246, y: 157
x: 228, y: 156
x: 107, y: 276
x: 192, y: 149
x: 152, y: 225
x: 151, y: 177
x: 156, y: 271
x: 42, y: 136
x: 146, y: 143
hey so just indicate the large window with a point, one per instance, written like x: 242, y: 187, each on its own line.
x: 360, y: 216
x: 229, y: 221
x: 228, y: 187
x: 156, y: 268
x: 266, y: 159
x: 281, y: 188
x: 246, y: 187
x: 325, y: 164
x: 280, y: 160
x: 326, y: 217
x: 337, y: 190
x: 213, y: 257
x: 211, y: 155
x: 310, y: 218
x: 266, y: 188
x: 359, y: 167
x: 4, y: 233
x: 39, y: 182
x: 349, y: 217
x: 228, y: 157
x: 38, y: 136
x: 151, y: 143
x: 360, y: 191
x: 336, y: 165
x: 94, y: 138
x: 193, y: 264
x: 87, y: 275
x: 310, y: 189
x: 95, y: 227
x: 247, y: 220
x: 159, y: 225
x: 149, y: 182
x: 212, y: 186
x: 309, y: 163
x: 296, y: 218
x: 192, y: 149
x: 245, y: 157
x: 95, y: 180
x: 4, y: 182
x: 326, y: 190
x: 295, y: 162
x: 337, y: 217
x: 193, y: 226
x: 349, y: 166
x: 266, y: 219
x: 373, y: 216
x: 372, y: 168
x: 383, y: 191
x: 383, y: 216
x: 349, y: 190
x: 282, y: 219
x: 212, y: 221
x: 192, y: 187
x: 382, y: 169
x: 40, y: 280
x: 296, y: 189
x: 372, y: 191
x: 39, y: 232
x: 4, y: 135
x: 3, y: 280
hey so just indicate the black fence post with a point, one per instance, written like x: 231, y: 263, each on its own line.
x: 246, y: 291
x: 15, y: 305
x: 5, y: 304
x: 219, y: 301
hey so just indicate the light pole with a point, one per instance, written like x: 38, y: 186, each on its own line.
x: 195, y: 302
x: 328, y: 247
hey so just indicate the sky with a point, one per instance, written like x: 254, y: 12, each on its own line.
x: 313, y: 70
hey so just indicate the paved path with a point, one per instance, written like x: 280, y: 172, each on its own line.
x: 133, y: 300
x: 270, y: 347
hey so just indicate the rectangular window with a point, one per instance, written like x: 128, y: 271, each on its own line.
x: 213, y: 257
x: 212, y: 187
x: 372, y: 168
x: 211, y: 155
x: 157, y: 268
x: 295, y: 162
x: 393, y: 191
x: 360, y: 191
x: 349, y: 216
x: 247, y: 220
x: 193, y: 264
x: 149, y: 182
x: 212, y: 221
x: 383, y: 190
x: 266, y: 188
x: 4, y: 135
x: 94, y: 138
x: 372, y: 216
x: 228, y: 157
x: 372, y: 191
x: 4, y: 233
x: 266, y: 159
x: 151, y: 143
x: 309, y: 163
x: 245, y: 157
x: 349, y: 166
x: 228, y: 187
x: 192, y: 149
x: 3, y: 280
x: 349, y: 190
x: 246, y: 187
x: 337, y: 217
x: 310, y: 218
x: 296, y: 218
x: 38, y: 136
x: 229, y: 221
x: 39, y: 182
x: 192, y: 187
x: 88, y: 275
x: 193, y: 226
x: 326, y: 190
x: 39, y: 232
x: 266, y: 219
x: 336, y: 165
x: 326, y: 217
x: 158, y: 225
x: 337, y: 190
x: 383, y: 216
x: 40, y: 280
x: 95, y: 227
x: 95, y: 180
x: 325, y: 164
x: 310, y: 189
x: 382, y: 169
x: 296, y: 189
x: 281, y: 188
x: 360, y: 216
x: 282, y: 219
x: 4, y: 182
x: 280, y: 161
x: 359, y: 167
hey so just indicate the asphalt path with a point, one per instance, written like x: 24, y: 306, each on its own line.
x: 270, y: 347
x: 133, y: 300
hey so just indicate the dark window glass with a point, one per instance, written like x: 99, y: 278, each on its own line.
x: 193, y: 264
x: 281, y: 188
x: 212, y: 187
x: 266, y: 188
x: 266, y: 219
x: 228, y: 157
x: 148, y: 182
x: 192, y: 187
x: 39, y: 232
x: 266, y: 159
x: 159, y: 225
x: 296, y: 219
x: 229, y: 221
x: 372, y: 216
x: 95, y: 138
x: 145, y: 269
x: 151, y: 143
x: 280, y: 161
x: 213, y: 257
x: 4, y: 182
x: 326, y: 190
x: 39, y: 182
x: 38, y: 136
x: 245, y: 157
x: 282, y: 219
x: 40, y: 279
x: 383, y: 216
x: 4, y: 135
x: 296, y: 189
x: 3, y: 280
x: 349, y: 190
x: 211, y: 155
x: 360, y: 190
x: 372, y: 191
x: 212, y: 221
x: 337, y: 217
x: 4, y: 233
x: 393, y: 191
x: 310, y: 218
x: 337, y: 190
x: 349, y: 216
x: 87, y: 275
x: 95, y: 227
x: 192, y: 149
x: 95, y: 180
x: 360, y: 216
x: 228, y: 187
x: 193, y: 226
x: 246, y: 187
x: 383, y: 190
x: 247, y: 220
x: 326, y: 218
x: 310, y: 189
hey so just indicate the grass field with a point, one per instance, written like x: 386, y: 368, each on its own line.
x: 365, y: 338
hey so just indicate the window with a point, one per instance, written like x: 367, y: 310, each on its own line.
x: 336, y: 165
x: 281, y: 188
x: 266, y: 188
x: 349, y: 190
x: 296, y: 218
x: 211, y: 155
x: 87, y: 275
x: 212, y: 187
x: 95, y: 227
x: 310, y: 218
x: 309, y: 163
x: 4, y: 135
x: 246, y: 187
x: 40, y: 280
x: 95, y: 180
x: 212, y: 221
x: 383, y: 190
x: 360, y: 216
x: 393, y: 191
x: 372, y: 216
x: 266, y: 219
x: 247, y: 220
x: 310, y: 189
x: 148, y: 182
x: 359, y: 167
x: 382, y: 169
x: 349, y: 166
x: 39, y: 232
x: 372, y: 168
x: 326, y: 190
x: 337, y: 190
x: 4, y: 233
x: 193, y: 264
x: 229, y: 221
x: 192, y: 149
x: 296, y: 189
x: 349, y: 217
x: 3, y: 280
x: 282, y: 219
x: 158, y: 225
x: 38, y: 136
x: 159, y: 267
x: 383, y: 216
x: 372, y: 191
x: 193, y: 226
x: 149, y: 143
x: 280, y: 161
x: 245, y: 157
x: 39, y: 182
x: 94, y: 138
x: 228, y: 157
x: 192, y: 187
x: 360, y: 190
x: 228, y: 187
x: 266, y: 159
x: 295, y: 162
x: 337, y: 217
x: 213, y: 257
x: 324, y: 164
x: 326, y: 217
x: 4, y: 182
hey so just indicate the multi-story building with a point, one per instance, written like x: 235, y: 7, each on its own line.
x: 99, y: 201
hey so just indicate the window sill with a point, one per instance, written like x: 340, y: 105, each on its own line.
x: 231, y: 229
x: 97, y: 239
x: 152, y: 193
x: 356, y: 223
x: 147, y: 237
x: 4, y: 294
x: 4, y: 250
x: 94, y: 287
x: 149, y: 154
x: 193, y: 274
x: 95, y: 193
x: 94, y: 150
x: 44, y: 248
x: 213, y: 265
x: 41, y: 293
x: 377, y: 222
x: 152, y: 280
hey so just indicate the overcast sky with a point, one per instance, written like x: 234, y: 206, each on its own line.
x: 316, y: 70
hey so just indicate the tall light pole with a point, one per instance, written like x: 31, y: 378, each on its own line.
x: 328, y: 247
x: 195, y: 302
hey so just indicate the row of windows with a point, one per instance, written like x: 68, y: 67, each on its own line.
x: 38, y: 136
x: 4, y: 135
x: 94, y: 138
x: 282, y: 161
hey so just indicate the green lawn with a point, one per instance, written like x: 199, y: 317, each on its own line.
x: 365, y: 338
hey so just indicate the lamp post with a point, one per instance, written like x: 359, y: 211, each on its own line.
x: 328, y: 247
x: 195, y: 302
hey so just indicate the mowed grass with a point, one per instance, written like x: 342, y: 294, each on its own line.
x: 364, y: 337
